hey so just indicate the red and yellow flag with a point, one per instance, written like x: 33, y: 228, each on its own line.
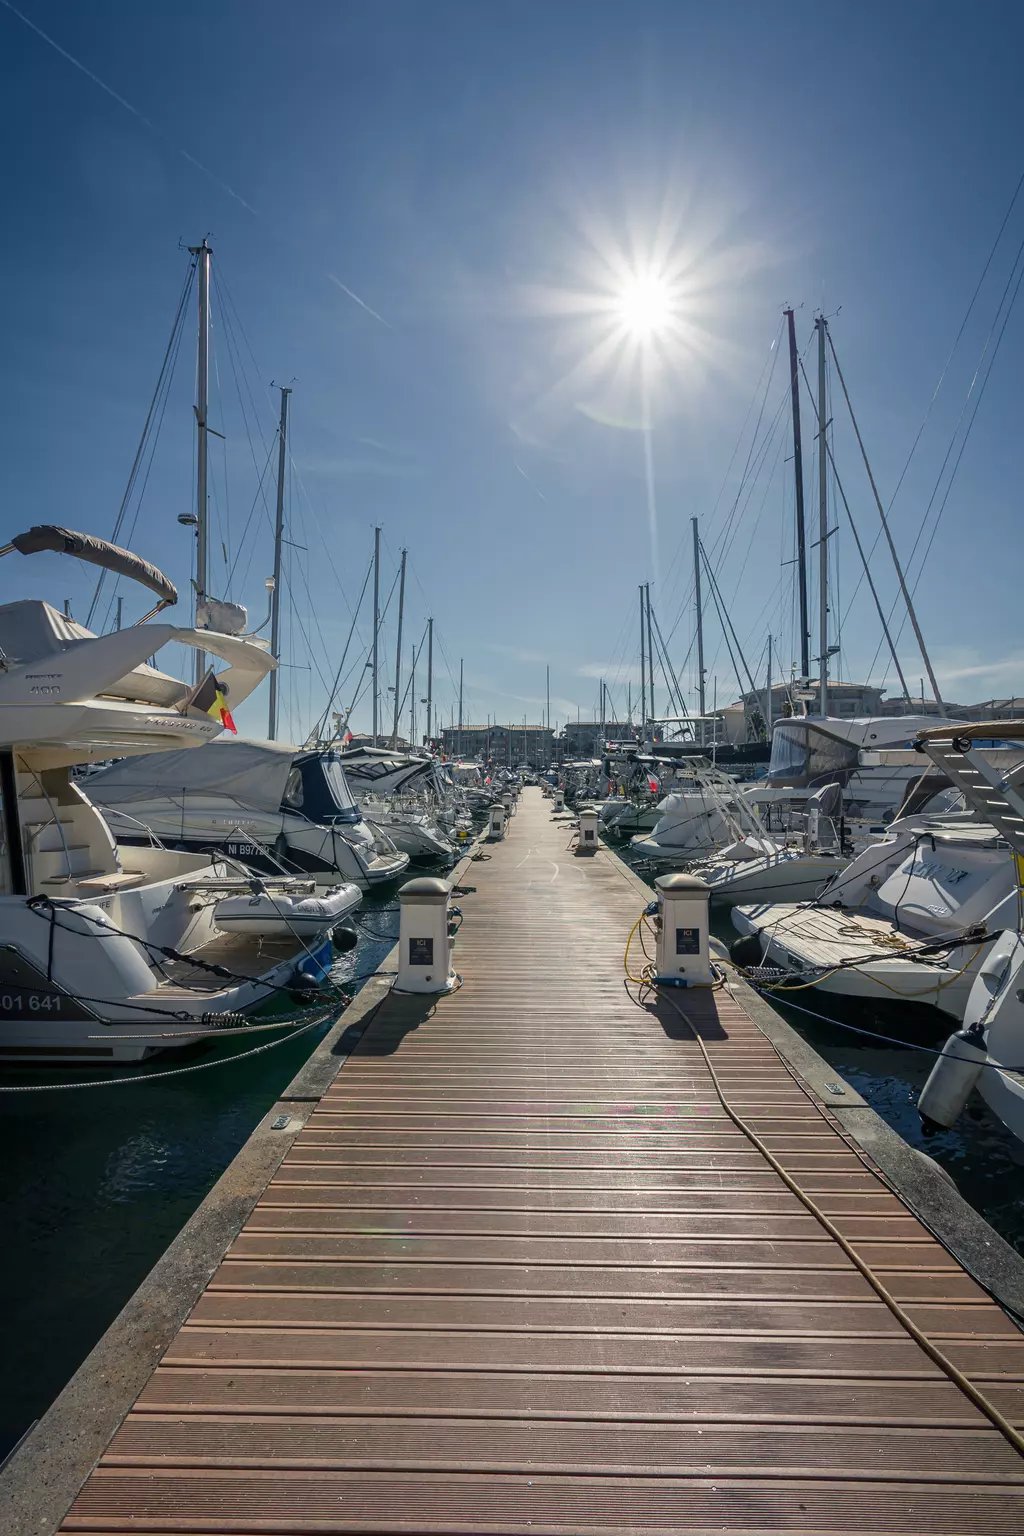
x: 211, y: 698
x: 218, y: 710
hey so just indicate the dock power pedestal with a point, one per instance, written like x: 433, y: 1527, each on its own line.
x: 683, y: 956
x: 587, y: 841
x: 557, y: 800
x: 425, y: 933
x: 496, y: 830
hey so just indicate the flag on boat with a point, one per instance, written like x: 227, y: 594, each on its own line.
x: 211, y: 698
x: 653, y: 784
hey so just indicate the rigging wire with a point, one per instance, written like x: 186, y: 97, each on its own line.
x: 321, y: 726
x: 166, y: 367
x: 866, y: 573
x: 963, y: 326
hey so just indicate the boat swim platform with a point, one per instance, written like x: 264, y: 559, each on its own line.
x: 518, y: 1272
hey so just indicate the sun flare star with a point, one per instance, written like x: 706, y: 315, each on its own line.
x: 645, y: 305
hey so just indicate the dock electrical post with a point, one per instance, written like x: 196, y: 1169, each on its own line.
x: 275, y: 595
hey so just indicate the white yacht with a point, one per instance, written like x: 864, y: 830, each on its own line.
x: 759, y: 867
x: 405, y: 795
x: 917, y: 912
x: 905, y: 918
x: 279, y: 808
x: 109, y: 953
x: 872, y: 760
x: 987, y: 1054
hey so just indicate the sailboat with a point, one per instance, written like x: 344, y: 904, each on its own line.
x: 868, y: 759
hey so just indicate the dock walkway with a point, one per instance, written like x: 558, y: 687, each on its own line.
x: 520, y: 1273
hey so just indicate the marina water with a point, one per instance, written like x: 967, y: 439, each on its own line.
x: 99, y: 1181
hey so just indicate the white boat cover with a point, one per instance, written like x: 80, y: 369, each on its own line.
x: 251, y: 772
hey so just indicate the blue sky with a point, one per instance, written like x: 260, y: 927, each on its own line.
x: 479, y: 177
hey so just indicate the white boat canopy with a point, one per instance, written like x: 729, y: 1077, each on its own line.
x: 254, y: 773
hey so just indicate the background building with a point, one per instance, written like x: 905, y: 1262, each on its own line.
x: 504, y: 745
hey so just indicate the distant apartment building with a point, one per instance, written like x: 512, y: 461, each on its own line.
x: 503, y: 745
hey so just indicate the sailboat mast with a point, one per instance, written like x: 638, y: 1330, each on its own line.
x: 798, y: 470
x: 203, y: 253
x: 460, y: 711
x: 700, y: 627
x: 398, y: 652
x: 412, y: 697
x: 643, y: 663
x: 650, y: 646
x: 275, y: 596
x: 430, y: 679
x: 376, y: 632
x: 820, y: 327
x: 768, y: 696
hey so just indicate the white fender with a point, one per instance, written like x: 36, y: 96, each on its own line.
x: 952, y: 1078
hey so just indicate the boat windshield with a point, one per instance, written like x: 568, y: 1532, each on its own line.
x: 317, y: 787
x: 337, y: 785
x: 804, y: 755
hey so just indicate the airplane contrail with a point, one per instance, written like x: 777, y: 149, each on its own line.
x: 157, y: 133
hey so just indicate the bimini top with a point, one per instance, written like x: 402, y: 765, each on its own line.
x: 84, y: 546
x: 252, y: 772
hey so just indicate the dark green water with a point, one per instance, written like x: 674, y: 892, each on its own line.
x: 97, y: 1182
x: 985, y: 1161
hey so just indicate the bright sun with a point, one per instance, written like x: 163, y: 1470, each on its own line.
x: 644, y: 305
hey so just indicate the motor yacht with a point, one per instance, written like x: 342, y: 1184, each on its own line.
x: 110, y: 953
x: 404, y: 794
x: 872, y: 760
x: 911, y: 916
x: 987, y: 1054
x: 280, y: 808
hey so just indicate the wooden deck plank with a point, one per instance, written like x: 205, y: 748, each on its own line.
x: 521, y: 1273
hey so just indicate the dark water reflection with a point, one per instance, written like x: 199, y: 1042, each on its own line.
x: 99, y: 1181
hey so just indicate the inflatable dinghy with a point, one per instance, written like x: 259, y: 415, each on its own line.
x: 275, y: 915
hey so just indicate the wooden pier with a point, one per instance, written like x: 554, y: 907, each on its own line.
x: 520, y: 1273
